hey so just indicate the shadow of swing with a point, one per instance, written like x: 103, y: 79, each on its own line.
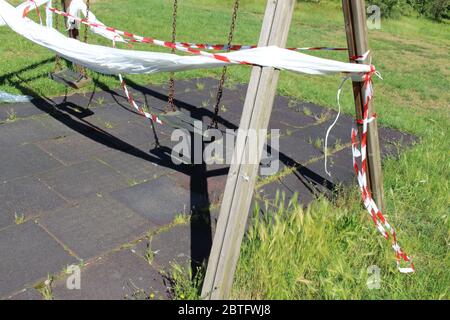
x: 69, y: 114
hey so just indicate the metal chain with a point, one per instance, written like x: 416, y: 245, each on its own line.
x: 171, y: 104
x: 86, y: 27
x: 215, y: 119
x: 58, y: 65
x: 83, y: 71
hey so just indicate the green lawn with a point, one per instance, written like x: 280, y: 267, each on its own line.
x: 323, y: 252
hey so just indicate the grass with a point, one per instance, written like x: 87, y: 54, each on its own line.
x: 19, y: 218
x: 12, y: 116
x: 331, y: 244
x: 45, y: 288
x: 149, y: 254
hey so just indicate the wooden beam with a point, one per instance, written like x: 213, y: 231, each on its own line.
x: 357, y: 40
x: 242, y: 176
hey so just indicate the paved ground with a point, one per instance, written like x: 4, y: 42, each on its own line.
x: 82, y: 183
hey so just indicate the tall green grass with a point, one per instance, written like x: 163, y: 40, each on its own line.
x: 326, y: 252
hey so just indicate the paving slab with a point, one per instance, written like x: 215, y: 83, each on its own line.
x: 160, y: 200
x: 97, y: 225
x: 84, y: 179
x: 203, y: 181
x: 115, y: 115
x: 136, y: 167
x: 393, y: 141
x: 119, y: 276
x: 340, y: 166
x: 281, y: 192
x: 73, y: 149
x: 18, y: 110
x: 26, y: 197
x: 27, y: 255
x: 294, y: 149
x: 289, y: 119
x: 135, y: 133
x: 184, y: 245
x: 25, y: 131
x: 24, y: 160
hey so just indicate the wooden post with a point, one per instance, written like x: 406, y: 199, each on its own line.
x: 242, y: 176
x: 357, y: 40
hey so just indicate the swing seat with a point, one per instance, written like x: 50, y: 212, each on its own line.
x: 70, y: 78
x: 180, y: 120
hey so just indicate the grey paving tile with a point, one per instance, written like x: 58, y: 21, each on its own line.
x: 26, y: 197
x: 24, y: 160
x: 27, y: 255
x: 159, y: 200
x: 112, y: 116
x: 297, y: 184
x: 281, y: 192
x: 84, y: 179
x: 18, y: 110
x: 340, y: 166
x: 289, y: 119
x: 181, y: 244
x: 136, y: 168
x: 117, y: 277
x: 73, y: 149
x: 135, y: 133
x: 95, y: 226
x: 392, y: 142
x: 296, y: 149
x: 201, y: 181
x: 25, y: 131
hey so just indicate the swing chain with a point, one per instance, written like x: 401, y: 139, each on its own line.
x: 58, y: 65
x: 171, y: 104
x: 88, y: 10
x: 215, y: 119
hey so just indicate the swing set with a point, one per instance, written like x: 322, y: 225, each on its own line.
x: 256, y: 114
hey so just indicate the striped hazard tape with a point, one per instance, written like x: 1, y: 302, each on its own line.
x: 137, y: 38
x: 140, y: 110
x: 237, y: 47
x: 359, y: 150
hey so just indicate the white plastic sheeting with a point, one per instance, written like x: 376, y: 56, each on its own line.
x: 113, y: 61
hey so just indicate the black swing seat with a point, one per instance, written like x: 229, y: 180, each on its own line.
x: 180, y: 120
x: 70, y: 78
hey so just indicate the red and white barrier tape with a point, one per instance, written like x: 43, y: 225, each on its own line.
x: 166, y: 44
x: 27, y: 10
x: 359, y: 150
x: 133, y: 103
x: 193, y: 48
x: 238, y: 47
